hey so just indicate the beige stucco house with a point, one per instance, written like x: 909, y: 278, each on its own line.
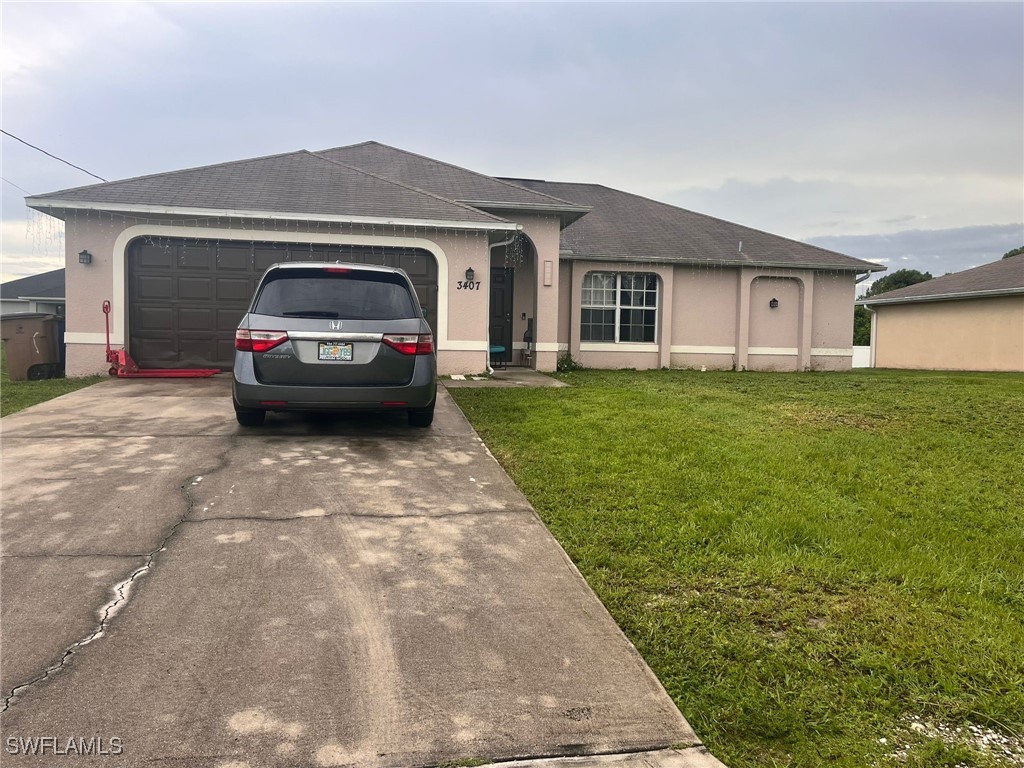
x: 968, y: 321
x: 535, y: 268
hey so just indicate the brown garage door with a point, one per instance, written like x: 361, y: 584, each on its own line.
x: 185, y: 297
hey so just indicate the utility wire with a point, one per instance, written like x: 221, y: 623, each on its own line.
x: 61, y: 159
x: 16, y: 186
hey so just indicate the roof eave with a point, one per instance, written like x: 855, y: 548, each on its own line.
x: 570, y: 255
x: 569, y: 214
x: 959, y: 296
x: 50, y: 206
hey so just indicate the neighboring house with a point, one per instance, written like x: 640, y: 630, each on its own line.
x: 37, y: 293
x: 968, y: 321
x: 615, y: 279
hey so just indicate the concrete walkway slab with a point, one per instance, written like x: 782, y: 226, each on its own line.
x: 320, y: 591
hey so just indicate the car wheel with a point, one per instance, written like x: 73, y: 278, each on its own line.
x: 250, y: 417
x: 422, y: 417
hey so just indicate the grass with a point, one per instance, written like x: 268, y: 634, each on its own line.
x: 18, y: 395
x: 808, y: 562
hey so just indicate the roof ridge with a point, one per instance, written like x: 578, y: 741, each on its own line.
x: 404, y: 186
x: 457, y: 167
x: 170, y: 173
x: 709, y: 217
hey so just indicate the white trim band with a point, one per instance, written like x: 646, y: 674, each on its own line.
x: 224, y: 213
x: 85, y: 338
x: 622, y: 346
x: 697, y: 349
x: 463, y: 346
x: 549, y: 346
x: 780, y: 351
x: 830, y: 352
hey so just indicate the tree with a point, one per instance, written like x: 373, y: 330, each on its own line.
x: 901, y: 278
x: 1014, y: 252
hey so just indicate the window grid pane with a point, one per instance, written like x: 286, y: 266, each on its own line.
x: 619, y: 307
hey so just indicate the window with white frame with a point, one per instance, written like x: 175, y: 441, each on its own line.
x: 619, y: 307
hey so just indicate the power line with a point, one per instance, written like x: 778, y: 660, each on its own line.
x: 61, y: 159
x: 16, y: 186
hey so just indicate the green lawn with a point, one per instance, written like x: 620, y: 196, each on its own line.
x: 18, y: 395
x: 807, y: 561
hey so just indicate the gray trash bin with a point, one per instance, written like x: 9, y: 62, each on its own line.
x: 33, y: 345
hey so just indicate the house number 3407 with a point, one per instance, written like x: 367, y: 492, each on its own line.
x: 467, y: 285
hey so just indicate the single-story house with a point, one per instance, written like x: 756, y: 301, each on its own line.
x: 37, y: 293
x: 968, y: 321
x: 614, y: 279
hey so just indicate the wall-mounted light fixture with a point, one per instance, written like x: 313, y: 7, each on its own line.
x: 470, y: 275
x: 773, y: 304
x: 84, y: 257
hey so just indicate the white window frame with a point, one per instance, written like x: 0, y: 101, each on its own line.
x: 618, y: 306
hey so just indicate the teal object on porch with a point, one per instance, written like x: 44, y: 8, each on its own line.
x: 497, y: 354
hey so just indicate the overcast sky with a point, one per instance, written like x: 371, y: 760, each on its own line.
x: 888, y: 131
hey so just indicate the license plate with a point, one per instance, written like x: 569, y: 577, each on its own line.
x: 331, y: 351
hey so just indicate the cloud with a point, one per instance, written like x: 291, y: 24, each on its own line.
x: 937, y: 251
x: 805, y: 119
x: 30, y: 246
x: 804, y: 208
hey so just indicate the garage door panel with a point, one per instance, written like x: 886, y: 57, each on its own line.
x: 263, y: 257
x: 186, y: 297
x: 235, y: 289
x: 191, y: 288
x: 416, y: 265
x: 196, y: 319
x: 197, y: 257
x: 234, y: 259
x: 194, y: 353
x: 149, y: 256
x: 151, y: 287
x: 158, y: 353
x: 153, y: 320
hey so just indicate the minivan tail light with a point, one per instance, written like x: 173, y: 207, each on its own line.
x: 410, y: 343
x: 258, y: 341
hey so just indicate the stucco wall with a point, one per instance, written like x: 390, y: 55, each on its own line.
x: 965, y: 335
x: 720, y: 317
x: 462, y: 342
x: 544, y: 232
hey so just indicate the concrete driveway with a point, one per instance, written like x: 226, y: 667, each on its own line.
x: 317, y: 592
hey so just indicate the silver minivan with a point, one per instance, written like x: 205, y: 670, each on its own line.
x: 335, y: 337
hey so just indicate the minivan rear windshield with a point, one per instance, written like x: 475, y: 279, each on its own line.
x: 352, y: 295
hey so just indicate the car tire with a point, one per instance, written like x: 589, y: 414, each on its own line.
x: 250, y: 417
x: 422, y: 417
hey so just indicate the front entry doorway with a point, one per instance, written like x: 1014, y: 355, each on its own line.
x: 501, y: 314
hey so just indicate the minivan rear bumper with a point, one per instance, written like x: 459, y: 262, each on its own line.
x: 247, y: 392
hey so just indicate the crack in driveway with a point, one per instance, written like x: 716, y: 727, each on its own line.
x: 121, y: 590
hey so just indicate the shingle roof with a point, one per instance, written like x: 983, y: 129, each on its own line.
x: 628, y: 227
x: 48, y: 285
x: 296, y: 182
x: 444, y: 179
x: 999, y: 278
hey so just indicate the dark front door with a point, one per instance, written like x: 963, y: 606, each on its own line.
x: 501, y: 310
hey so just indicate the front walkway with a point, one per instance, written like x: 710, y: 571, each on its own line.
x: 510, y: 377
